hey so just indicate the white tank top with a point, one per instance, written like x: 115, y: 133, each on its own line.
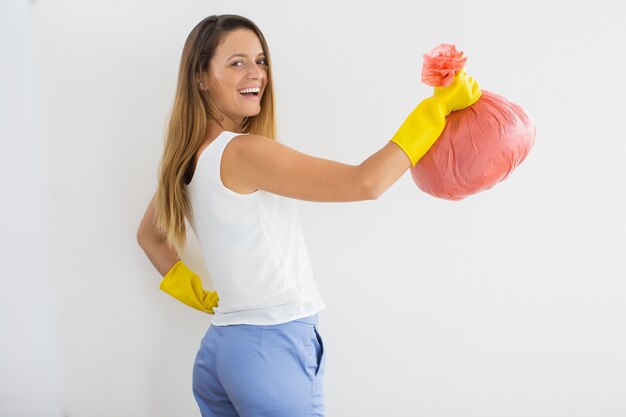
x: 253, y: 248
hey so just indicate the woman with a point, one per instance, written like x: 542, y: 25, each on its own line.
x: 224, y: 170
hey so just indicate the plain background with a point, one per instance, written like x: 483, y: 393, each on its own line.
x: 509, y: 303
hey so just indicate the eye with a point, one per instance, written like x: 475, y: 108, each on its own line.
x: 264, y: 62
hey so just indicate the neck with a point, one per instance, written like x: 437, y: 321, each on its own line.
x: 230, y: 124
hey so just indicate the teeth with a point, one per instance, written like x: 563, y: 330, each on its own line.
x: 250, y: 90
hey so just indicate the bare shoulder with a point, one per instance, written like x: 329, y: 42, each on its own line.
x: 256, y: 154
x: 234, y: 158
x: 249, y: 143
x: 253, y: 150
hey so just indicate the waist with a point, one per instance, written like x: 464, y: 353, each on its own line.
x: 312, y: 319
x: 304, y: 313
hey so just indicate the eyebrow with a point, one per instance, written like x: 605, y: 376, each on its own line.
x: 244, y: 55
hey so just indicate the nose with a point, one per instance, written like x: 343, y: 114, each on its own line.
x: 256, y: 72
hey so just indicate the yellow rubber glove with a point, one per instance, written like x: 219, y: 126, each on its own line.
x: 422, y: 127
x: 186, y: 286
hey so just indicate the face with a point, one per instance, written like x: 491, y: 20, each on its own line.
x: 238, y: 63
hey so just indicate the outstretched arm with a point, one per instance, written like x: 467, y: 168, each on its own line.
x: 262, y: 163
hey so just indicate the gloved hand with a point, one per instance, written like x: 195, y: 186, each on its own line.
x: 422, y: 127
x: 186, y: 286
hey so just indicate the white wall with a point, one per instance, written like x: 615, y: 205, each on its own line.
x: 31, y: 340
x: 510, y: 302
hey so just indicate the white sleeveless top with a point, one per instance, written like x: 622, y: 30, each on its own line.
x: 253, y: 248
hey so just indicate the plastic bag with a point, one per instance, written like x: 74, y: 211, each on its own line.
x: 480, y: 145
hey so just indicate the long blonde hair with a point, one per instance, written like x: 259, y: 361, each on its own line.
x: 188, y: 121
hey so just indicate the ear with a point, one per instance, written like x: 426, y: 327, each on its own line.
x: 202, y: 86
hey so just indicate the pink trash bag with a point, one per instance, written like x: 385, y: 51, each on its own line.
x: 480, y: 145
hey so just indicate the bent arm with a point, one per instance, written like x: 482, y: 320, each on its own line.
x: 178, y: 281
x: 262, y: 163
x: 153, y: 243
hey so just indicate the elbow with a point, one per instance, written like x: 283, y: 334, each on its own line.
x: 374, y: 194
x: 141, y: 237
x: 371, y: 190
x: 146, y: 237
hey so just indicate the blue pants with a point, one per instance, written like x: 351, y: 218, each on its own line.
x: 261, y: 370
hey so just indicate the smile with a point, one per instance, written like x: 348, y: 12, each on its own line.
x: 251, y: 91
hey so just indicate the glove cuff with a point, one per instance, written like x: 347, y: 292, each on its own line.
x: 169, y: 282
x: 421, y: 128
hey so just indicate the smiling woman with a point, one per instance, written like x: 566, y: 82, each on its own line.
x: 223, y: 170
x: 236, y: 82
x: 254, y: 249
